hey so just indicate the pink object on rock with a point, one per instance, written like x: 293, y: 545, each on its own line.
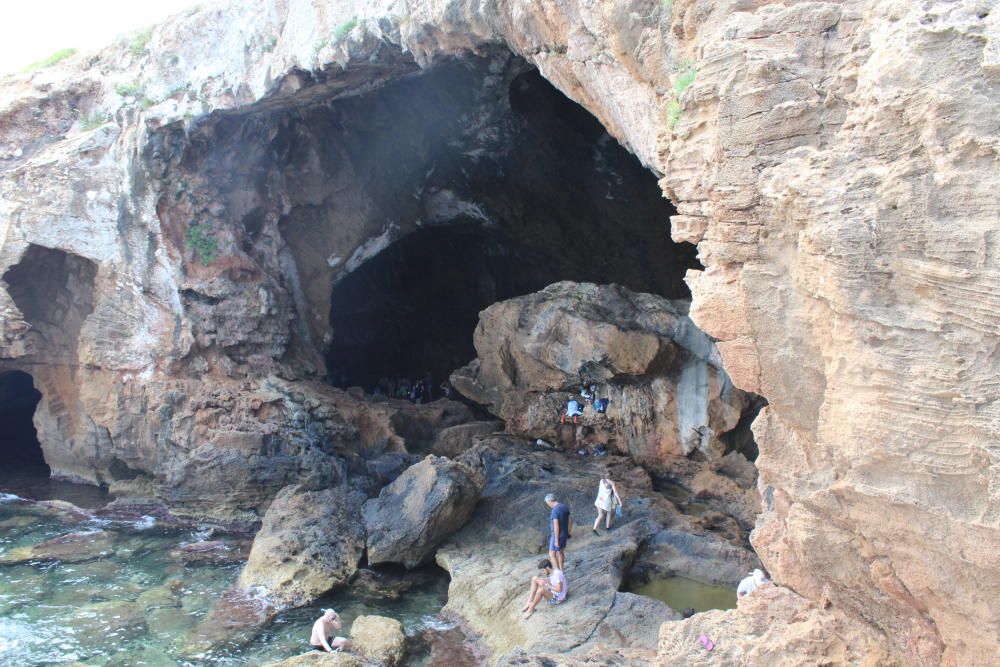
x: 706, y: 642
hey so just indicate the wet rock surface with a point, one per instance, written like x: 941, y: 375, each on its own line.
x: 379, y: 638
x: 72, y: 548
x: 425, y: 505
x: 309, y: 543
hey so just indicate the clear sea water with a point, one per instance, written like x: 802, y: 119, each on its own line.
x: 135, y: 604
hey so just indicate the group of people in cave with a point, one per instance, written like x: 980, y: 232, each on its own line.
x: 417, y: 391
x: 575, y: 408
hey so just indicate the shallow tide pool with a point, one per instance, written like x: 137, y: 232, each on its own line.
x: 681, y: 593
x: 129, y: 602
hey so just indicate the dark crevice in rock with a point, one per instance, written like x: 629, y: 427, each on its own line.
x: 20, y: 451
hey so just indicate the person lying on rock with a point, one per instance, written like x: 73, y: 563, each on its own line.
x: 323, y: 629
x: 751, y: 583
x: 607, y: 499
x: 560, y: 522
x: 551, y: 586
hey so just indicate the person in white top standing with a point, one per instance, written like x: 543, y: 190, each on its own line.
x: 551, y: 587
x: 607, y: 496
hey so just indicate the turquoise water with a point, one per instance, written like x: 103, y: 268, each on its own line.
x: 681, y: 593
x: 129, y: 602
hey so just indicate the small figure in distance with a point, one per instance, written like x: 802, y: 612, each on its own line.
x: 572, y: 410
x: 607, y: 497
x: 750, y: 583
x: 551, y: 586
x: 323, y: 629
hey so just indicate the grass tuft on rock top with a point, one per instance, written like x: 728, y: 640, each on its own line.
x: 139, y: 43
x: 94, y: 120
x: 344, y: 29
x: 58, y: 56
x: 130, y: 89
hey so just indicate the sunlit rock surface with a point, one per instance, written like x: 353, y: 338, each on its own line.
x: 834, y: 162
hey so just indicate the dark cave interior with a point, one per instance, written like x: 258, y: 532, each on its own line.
x: 548, y: 195
x: 20, y: 450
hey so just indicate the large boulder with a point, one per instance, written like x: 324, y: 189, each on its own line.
x: 668, y: 392
x: 426, y: 504
x: 309, y: 543
x: 379, y: 638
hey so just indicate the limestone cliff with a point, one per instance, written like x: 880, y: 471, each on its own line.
x: 834, y: 162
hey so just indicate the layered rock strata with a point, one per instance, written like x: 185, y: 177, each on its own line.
x: 833, y: 162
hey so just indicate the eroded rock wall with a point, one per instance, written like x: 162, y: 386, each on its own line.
x: 835, y: 162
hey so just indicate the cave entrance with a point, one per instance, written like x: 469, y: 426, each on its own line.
x: 20, y: 450
x: 497, y: 185
x: 54, y: 291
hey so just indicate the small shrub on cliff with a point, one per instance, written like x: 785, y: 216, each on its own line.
x: 140, y: 42
x: 131, y: 89
x: 204, y: 247
x: 685, y: 78
x: 668, y: 8
x: 344, y: 29
x: 60, y: 55
x: 270, y: 44
x: 94, y: 120
x: 673, y: 113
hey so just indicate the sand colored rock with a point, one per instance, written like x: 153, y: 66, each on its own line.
x: 317, y: 659
x: 833, y: 162
x: 379, y: 638
x: 424, y: 506
x: 668, y: 393
x: 309, y: 543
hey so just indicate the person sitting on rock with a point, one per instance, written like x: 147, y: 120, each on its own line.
x: 588, y: 392
x: 750, y: 583
x: 552, y: 587
x: 572, y: 410
x: 601, y: 405
x: 323, y: 629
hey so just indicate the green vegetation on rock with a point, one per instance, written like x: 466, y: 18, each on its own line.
x: 344, y: 29
x: 140, y: 41
x: 130, y: 89
x: 205, y: 247
x: 60, y: 55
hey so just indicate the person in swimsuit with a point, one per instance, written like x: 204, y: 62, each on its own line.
x: 607, y: 496
x: 323, y: 629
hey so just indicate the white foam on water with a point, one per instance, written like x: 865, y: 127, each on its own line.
x: 9, y: 497
x: 436, y: 623
x: 145, y: 522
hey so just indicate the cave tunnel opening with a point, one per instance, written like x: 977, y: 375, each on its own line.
x: 54, y: 290
x: 20, y: 450
x: 537, y: 193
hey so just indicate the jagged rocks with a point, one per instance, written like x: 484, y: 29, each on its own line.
x: 379, y: 638
x: 309, y: 543
x: 426, y: 504
x: 317, y: 659
x: 663, y: 377
x: 492, y: 559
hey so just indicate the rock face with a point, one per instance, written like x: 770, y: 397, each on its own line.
x: 663, y: 377
x: 309, y: 543
x: 832, y: 162
x: 379, y: 638
x: 492, y: 559
x: 426, y: 504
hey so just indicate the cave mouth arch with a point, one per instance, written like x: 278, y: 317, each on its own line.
x: 20, y: 450
x: 538, y: 193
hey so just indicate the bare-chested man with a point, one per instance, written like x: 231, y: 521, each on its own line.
x: 323, y: 629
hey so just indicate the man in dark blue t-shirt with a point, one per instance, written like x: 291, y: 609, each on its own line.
x: 559, y: 527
